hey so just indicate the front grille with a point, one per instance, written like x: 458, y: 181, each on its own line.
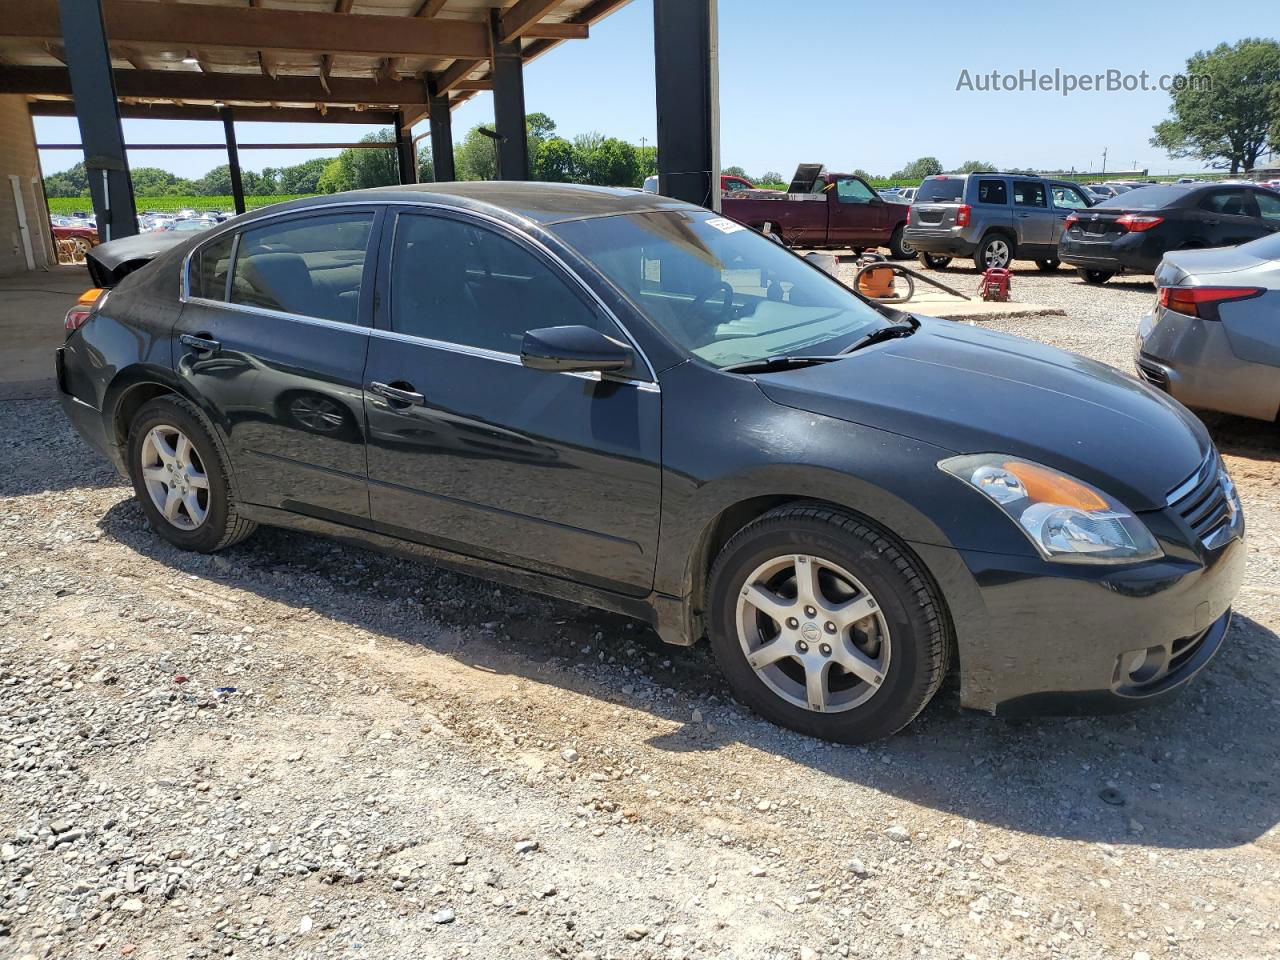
x: 1203, y: 504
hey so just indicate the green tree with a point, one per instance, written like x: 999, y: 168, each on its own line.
x: 476, y: 158
x: 73, y: 182
x: 303, y: 177
x: 735, y: 172
x: 359, y: 167
x: 1227, y: 108
x: 605, y: 161
x: 555, y: 161
x: 215, y: 183
x: 426, y: 167
x: 151, y: 181
x: 918, y: 169
x: 975, y: 166
x: 771, y: 176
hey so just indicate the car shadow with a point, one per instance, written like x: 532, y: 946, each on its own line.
x: 1196, y: 772
x: 53, y: 458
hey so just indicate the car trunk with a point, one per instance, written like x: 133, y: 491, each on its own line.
x: 111, y: 262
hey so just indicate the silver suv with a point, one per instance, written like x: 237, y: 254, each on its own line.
x: 995, y: 218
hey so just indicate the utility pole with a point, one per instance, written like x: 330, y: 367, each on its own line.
x: 1104, y: 159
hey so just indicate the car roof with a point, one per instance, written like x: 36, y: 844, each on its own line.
x: 541, y: 203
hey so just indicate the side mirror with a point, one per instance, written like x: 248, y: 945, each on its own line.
x: 575, y: 348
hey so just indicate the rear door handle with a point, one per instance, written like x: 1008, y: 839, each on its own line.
x: 1213, y: 223
x: 202, y: 343
x: 396, y: 395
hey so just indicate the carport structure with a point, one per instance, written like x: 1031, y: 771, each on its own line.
x: 390, y: 62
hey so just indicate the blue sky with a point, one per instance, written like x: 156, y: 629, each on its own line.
x: 796, y: 86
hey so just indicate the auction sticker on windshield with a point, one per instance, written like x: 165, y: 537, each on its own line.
x: 724, y: 225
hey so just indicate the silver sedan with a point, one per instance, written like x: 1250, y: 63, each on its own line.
x: 1212, y: 339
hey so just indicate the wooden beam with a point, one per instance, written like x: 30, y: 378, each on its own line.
x: 519, y: 18
x: 473, y: 86
x: 459, y: 71
x: 170, y: 111
x: 558, y: 31
x: 430, y: 8
x: 415, y: 116
x: 260, y: 28
x: 193, y: 85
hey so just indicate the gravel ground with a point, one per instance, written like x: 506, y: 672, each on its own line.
x: 298, y: 749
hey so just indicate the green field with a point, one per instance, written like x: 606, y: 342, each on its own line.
x: 64, y: 206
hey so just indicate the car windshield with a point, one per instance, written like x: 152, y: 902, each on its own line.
x: 1144, y: 198
x: 723, y: 292
x: 941, y: 190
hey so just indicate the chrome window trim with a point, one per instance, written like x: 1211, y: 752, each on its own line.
x: 462, y: 212
x: 277, y: 314
x: 502, y: 357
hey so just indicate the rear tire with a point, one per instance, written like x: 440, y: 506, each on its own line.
x: 932, y: 260
x: 1048, y: 266
x: 1095, y: 277
x: 871, y: 607
x: 899, y: 249
x: 180, y: 477
x: 995, y: 250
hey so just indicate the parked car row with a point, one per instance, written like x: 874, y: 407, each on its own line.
x: 999, y: 218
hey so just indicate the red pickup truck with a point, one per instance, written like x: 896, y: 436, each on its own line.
x: 820, y: 209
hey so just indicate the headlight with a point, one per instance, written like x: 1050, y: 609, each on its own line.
x: 1067, y: 520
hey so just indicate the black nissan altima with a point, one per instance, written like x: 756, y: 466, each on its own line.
x: 634, y: 403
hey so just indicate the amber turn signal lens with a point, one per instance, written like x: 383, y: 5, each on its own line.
x: 1046, y: 486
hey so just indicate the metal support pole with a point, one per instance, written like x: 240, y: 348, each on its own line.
x: 84, y: 36
x: 441, y: 136
x: 233, y: 158
x: 508, y: 106
x: 407, y: 162
x: 685, y: 60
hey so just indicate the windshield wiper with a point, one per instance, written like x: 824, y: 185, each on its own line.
x: 883, y: 333
x: 779, y: 362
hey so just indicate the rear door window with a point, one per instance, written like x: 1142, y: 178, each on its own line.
x: 1228, y: 203
x: 311, y: 267
x: 208, y: 272
x: 941, y: 190
x: 1028, y: 193
x: 993, y: 191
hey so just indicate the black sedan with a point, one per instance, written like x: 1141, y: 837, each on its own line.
x: 1134, y: 230
x: 635, y: 403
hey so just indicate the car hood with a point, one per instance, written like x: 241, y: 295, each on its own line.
x: 974, y: 391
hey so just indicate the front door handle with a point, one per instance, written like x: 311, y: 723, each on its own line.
x: 409, y: 398
x: 1214, y: 222
x: 201, y: 343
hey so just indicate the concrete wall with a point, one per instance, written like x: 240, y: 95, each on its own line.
x: 18, y: 158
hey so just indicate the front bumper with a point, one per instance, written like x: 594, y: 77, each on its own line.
x: 1138, y: 252
x: 1039, y: 638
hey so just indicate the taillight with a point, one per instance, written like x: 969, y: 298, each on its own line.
x: 1203, y: 302
x: 1071, y: 221
x: 1137, y: 223
x: 81, y: 312
x: 962, y: 215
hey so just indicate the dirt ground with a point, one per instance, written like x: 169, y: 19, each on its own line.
x: 299, y: 749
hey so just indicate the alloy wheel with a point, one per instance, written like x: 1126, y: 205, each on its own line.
x: 812, y: 633
x: 175, y: 477
x: 997, y: 254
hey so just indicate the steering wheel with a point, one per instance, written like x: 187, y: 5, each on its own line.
x: 726, y: 309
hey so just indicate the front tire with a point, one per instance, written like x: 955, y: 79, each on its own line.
x: 1095, y: 277
x: 1048, y: 266
x: 181, y: 477
x: 824, y: 624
